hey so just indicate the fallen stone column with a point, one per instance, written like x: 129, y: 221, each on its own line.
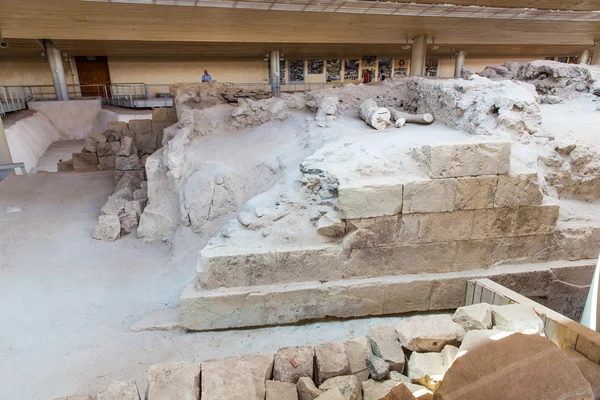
x: 402, y: 118
x: 377, y: 117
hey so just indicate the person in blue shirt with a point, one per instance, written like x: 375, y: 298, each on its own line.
x: 382, y: 75
x: 206, y: 77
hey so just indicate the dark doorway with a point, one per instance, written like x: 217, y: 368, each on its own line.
x: 94, y: 76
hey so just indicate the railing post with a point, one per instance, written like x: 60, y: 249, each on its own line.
x: 12, y: 100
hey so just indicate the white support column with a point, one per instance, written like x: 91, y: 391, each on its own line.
x: 583, y: 57
x: 275, y: 72
x: 596, y: 57
x: 459, y: 63
x: 419, y: 52
x: 5, y: 157
x: 57, y: 69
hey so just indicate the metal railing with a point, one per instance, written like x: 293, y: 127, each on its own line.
x: 13, y: 98
x: 130, y: 95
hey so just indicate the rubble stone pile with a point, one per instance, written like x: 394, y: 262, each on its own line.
x: 130, y: 145
x: 549, y: 77
x: 422, y: 357
x: 232, y: 95
x: 479, y: 105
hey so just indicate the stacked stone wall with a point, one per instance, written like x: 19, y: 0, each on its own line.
x: 471, y: 213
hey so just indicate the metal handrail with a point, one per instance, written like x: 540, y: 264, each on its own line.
x: 130, y: 95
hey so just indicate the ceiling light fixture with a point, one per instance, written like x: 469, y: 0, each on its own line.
x: 434, y: 46
x: 406, y: 46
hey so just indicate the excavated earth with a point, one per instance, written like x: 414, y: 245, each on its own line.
x: 297, y: 198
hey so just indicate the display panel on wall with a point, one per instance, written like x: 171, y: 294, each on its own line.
x: 369, y: 61
x: 401, y: 67
x: 385, y: 68
x: 334, y: 70
x: 296, y: 70
x: 315, y: 67
x: 350, y: 70
x: 431, y: 67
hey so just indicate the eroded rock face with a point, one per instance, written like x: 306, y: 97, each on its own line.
x: 548, y: 77
x: 479, y: 105
x: 528, y: 362
x: 255, y: 112
x: 237, y: 378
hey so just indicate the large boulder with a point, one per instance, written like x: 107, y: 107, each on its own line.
x: 331, y: 361
x: 475, y: 316
x: 108, y: 228
x: 379, y: 369
x: 307, y: 390
x: 589, y: 369
x: 236, y: 378
x: 178, y: 380
x: 357, y: 351
x: 292, y: 363
x: 429, y: 333
x: 347, y: 384
x: 385, y: 344
x: 281, y: 391
x: 333, y: 394
x: 515, y: 368
x: 517, y: 318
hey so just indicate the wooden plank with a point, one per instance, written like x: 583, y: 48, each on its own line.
x: 582, y: 345
x: 594, y: 352
x: 487, y: 296
x: 551, y: 331
x: 477, y: 293
x: 501, y: 300
x: 564, y: 331
x: 470, y: 293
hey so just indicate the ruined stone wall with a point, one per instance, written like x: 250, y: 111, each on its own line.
x: 478, y: 105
